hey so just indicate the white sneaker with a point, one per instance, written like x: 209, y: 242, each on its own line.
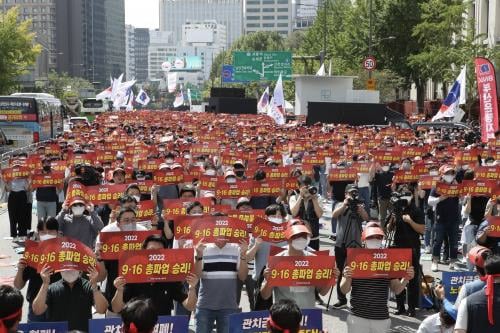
x: 434, y: 266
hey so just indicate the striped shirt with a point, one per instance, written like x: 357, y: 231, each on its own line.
x: 218, y: 284
x: 369, y: 298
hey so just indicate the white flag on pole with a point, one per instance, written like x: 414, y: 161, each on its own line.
x: 276, y: 111
x: 171, y: 82
x: 130, y: 104
x: 321, y: 70
x: 179, y: 99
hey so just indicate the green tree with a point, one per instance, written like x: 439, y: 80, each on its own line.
x: 58, y: 84
x: 18, y: 50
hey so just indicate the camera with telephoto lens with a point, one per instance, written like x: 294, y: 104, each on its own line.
x: 398, y: 205
x: 354, y: 201
x: 313, y: 190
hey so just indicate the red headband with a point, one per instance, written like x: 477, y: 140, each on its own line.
x: 131, y: 328
x: 16, y: 314
x: 271, y: 323
x: 490, y: 279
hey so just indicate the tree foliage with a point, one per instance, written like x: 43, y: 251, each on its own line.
x: 58, y: 85
x: 18, y: 50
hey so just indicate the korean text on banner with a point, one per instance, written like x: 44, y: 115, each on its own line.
x: 301, y: 271
x: 256, y: 321
x: 113, y: 244
x: 488, y: 104
x: 379, y: 263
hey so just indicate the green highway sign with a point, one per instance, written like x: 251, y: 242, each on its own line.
x: 262, y: 65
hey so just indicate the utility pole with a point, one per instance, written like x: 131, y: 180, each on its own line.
x: 323, y: 53
x: 370, y: 36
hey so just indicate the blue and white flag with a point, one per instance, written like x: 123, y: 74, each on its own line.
x: 143, y: 98
x: 455, y: 97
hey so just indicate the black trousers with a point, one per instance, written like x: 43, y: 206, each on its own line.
x: 19, y: 214
x: 340, y: 258
x: 412, y: 291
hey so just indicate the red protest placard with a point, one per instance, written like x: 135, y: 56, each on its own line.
x: 172, y: 177
x: 207, y: 183
x: 378, y: 263
x: 76, y: 190
x: 362, y: 167
x: 494, y: 224
x: 112, y: 244
x: 107, y: 193
x: 58, y: 166
x: 479, y: 187
x: 269, y: 231
x: 88, y: 158
x: 290, y: 184
x: 276, y: 173
x: 405, y: 176
x: 387, y: 156
x: 239, y: 189
x: 487, y: 172
x: 9, y: 174
x: 341, y: 174
x: 288, y: 271
x: 150, y: 165
x: 267, y: 188
x: 211, y: 229
x: 427, y: 182
x: 150, y: 266
x: 246, y: 216
x: 177, y: 207
x: 313, y: 160
x: 31, y: 253
x: 65, y: 253
x: 449, y: 190
x: 53, y: 179
x: 205, y: 149
x: 145, y: 210
x: 144, y: 185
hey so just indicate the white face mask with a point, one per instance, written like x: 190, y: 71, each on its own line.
x: 231, y: 180
x: 169, y: 161
x: 187, y: 156
x: 434, y: 173
x: 77, y: 210
x: 210, y: 172
x: 46, y: 237
x: 70, y: 276
x: 465, y: 167
x: 275, y: 219
x: 128, y: 227
x: 300, y: 244
x: 385, y: 168
x: 373, y: 243
x: 448, y: 178
x: 137, y: 198
x: 406, y: 166
x: 407, y: 198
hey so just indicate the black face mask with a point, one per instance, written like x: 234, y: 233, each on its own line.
x: 46, y: 168
x: 239, y: 173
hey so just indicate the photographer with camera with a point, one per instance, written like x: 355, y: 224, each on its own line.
x: 406, y: 223
x: 350, y: 215
x: 305, y: 205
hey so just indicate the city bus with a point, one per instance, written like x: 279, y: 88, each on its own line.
x: 27, y: 118
x: 94, y: 106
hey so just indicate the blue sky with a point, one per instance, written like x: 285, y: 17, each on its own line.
x: 142, y: 13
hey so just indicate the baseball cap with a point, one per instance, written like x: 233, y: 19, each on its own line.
x: 242, y: 201
x: 296, y: 230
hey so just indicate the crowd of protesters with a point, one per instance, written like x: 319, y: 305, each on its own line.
x: 374, y: 209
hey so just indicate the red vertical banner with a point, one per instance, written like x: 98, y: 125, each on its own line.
x: 488, y: 104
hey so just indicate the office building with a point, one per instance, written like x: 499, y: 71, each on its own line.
x: 269, y: 15
x: 90, y: 35
x: 115, y: 37
x: 175, y: 13
x: 129, y: 52
x: 160, y: 48
x: 305, y: 13
x: 207, y: 33
x: 141, y: 45
x: 486, y: 14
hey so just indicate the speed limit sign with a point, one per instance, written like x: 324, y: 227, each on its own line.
x: 370, y: 63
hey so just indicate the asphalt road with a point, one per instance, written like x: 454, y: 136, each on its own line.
x: 333, y: 320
